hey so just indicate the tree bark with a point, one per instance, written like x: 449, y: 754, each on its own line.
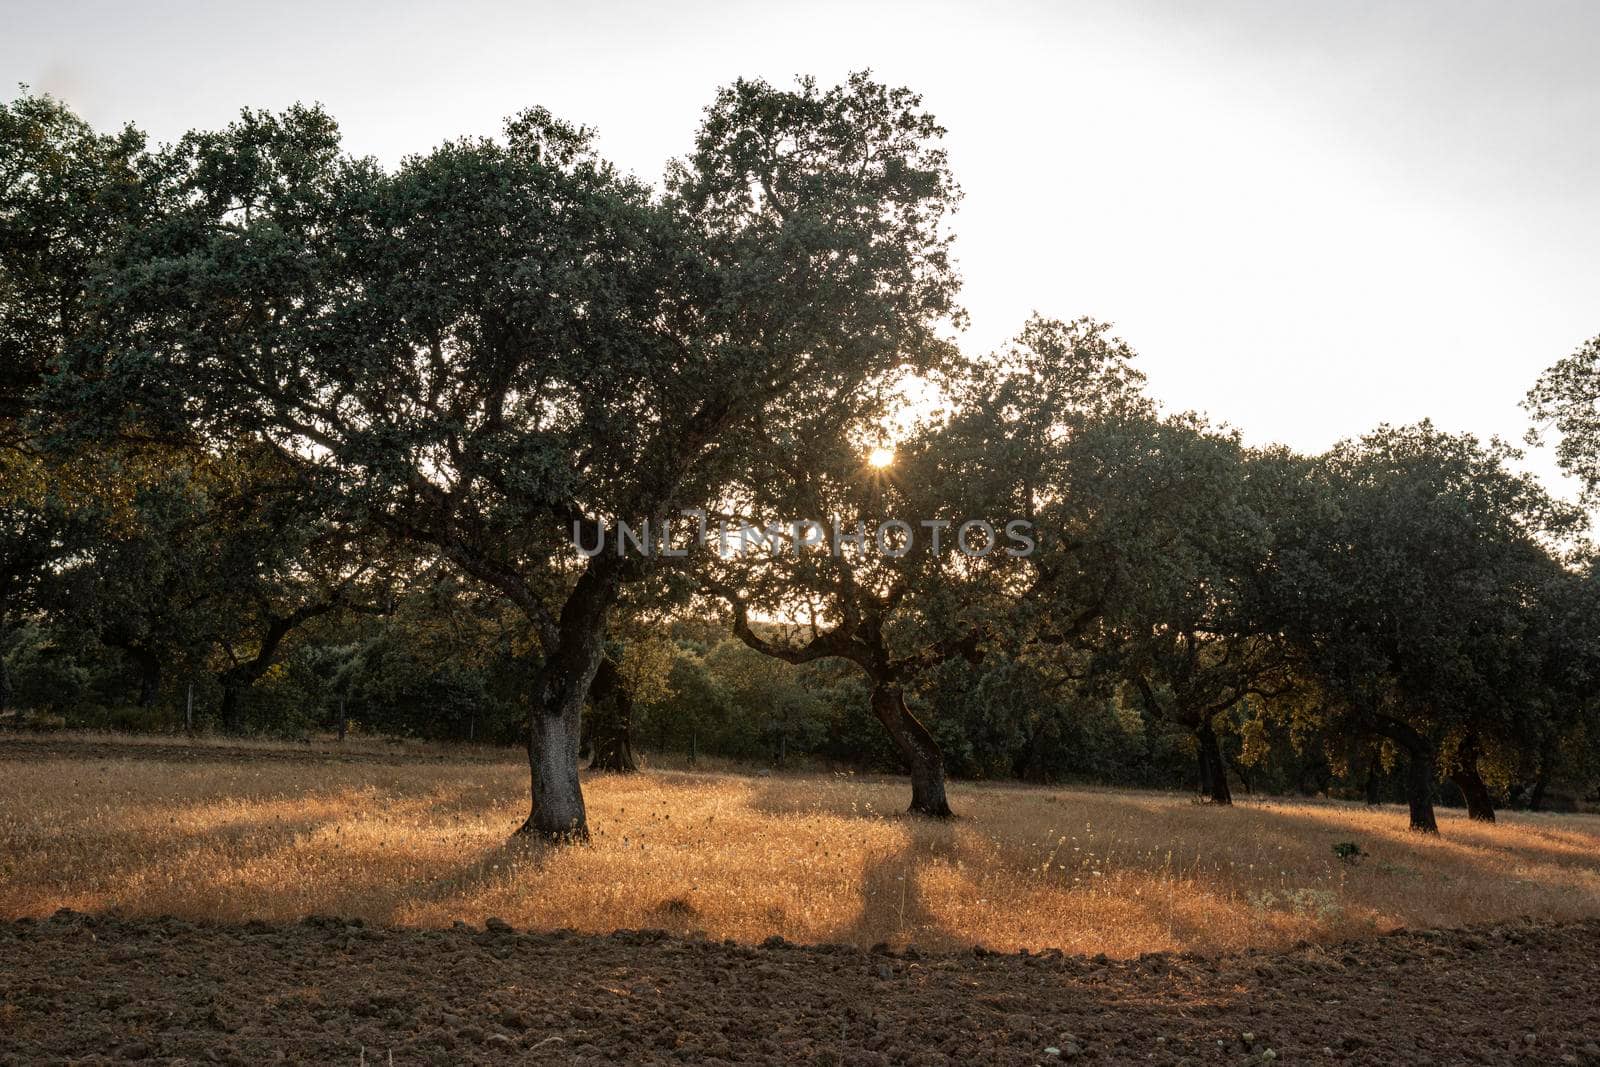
x: 1373, y: 795
x: 1419, y: 792
x: 1214, y: 773
x: 1419, y: 771
x: 917, y: 748
x: 556, y: 724
x: 611, y: 721
x: 1480, y: 805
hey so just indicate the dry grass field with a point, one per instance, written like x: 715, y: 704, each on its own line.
x: 240, y: 832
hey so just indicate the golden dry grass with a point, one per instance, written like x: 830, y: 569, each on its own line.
x: 815, y: 858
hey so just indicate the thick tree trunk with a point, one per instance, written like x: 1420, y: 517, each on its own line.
x: 916, y: 747
x: 1419, y: 771
x: 1214, y: 773
x: 558, y: 812
x: 556, y: 724
x: 1480, y: 805
x: 611, y: 721
x: 1419, y: 792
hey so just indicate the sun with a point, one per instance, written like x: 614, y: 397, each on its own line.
x: 880, y: 457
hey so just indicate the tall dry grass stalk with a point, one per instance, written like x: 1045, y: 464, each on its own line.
x: 810, y: 858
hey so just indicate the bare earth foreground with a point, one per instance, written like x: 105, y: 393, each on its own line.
x: 78, y: 988
x: 1116, y: 926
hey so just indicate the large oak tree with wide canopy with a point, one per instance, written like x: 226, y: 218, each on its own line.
x: 504, y: 340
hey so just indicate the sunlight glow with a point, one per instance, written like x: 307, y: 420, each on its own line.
x: 880, y: 457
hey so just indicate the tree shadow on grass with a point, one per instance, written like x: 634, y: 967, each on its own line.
x: 1459, y: 846
x: 518, y: 855
x: 226, y: 871
x: 111, y: 885
x: 893, y: 908
x: 1455, y: 877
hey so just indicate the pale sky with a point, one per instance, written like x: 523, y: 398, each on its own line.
x: 1307, y: 217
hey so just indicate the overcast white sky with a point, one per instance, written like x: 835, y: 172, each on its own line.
x: 1307, y: 217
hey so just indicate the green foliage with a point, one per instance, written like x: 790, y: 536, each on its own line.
x: 309, y: 437
x: 1567, y: 399
x: 1414, y: 587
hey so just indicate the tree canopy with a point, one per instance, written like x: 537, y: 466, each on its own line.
x: 319, y: 443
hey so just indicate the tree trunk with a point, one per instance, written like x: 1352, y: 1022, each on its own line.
x: 237, y: 679
x: 232, y: 710
x: 916, y: 747
x: 1419, y: 771
x: 149, y: 677
x: 1547, y: 760
x: 1373, y: 795
x: 1241, y: 772
x: 1214, y: 773
x: 5, y: 678
x: 1536, y: 798
x: 558, y: 812
x: 611, y: 721
x: 555, y: 726
x: 1480, y: 805
x: 1419, y: 792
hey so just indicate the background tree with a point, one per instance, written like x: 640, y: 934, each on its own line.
x: 1406, y: 590
x: 1567, y: 398
x: 1180, y: 540
x: 67, y: 194
x: 939, y: 576
x: 635, y: 670
x: 448, y: 663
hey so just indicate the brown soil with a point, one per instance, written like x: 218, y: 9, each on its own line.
x: 86, y: 989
